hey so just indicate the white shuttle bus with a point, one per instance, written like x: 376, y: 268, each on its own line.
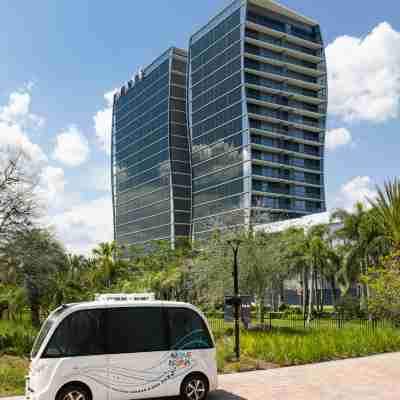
x: 123, y: 349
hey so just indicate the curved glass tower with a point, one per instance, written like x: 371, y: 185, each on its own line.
x: 150, y: 154
x: 257, y: 101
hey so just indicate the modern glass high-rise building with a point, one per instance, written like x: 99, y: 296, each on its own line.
x: 230, y: 134
x: 257, y: 101
x: 151, y: 177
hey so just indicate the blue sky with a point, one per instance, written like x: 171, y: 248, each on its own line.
x: 59, y: 59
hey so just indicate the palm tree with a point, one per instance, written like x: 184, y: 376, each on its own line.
x: 317, y: 253
x: 387, y: 206
x: 106, y: 265
x: 361, y: 244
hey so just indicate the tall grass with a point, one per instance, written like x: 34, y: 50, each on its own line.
x: 293, y: 347
x: 12, y: 375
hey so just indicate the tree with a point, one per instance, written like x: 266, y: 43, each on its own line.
x: 37, y: 256
x: 384, y: 282
x: 387, y: 206
x: 108, y: 267
x: 18, y: 204
x: 71, y: 281
x: 361, y: 241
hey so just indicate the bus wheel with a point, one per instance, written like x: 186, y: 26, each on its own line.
x: 194, y: 387
x: 73, y: 392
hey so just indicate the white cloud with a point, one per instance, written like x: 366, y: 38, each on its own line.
x: 12, y: 136
x: 337, y: 137
x: 15, y: 118
x: 17, y: 111
x: 18, y: 106
x: 84, y: 226
x: 51, y: 187
x: 364, y: 75
x: 358, y: 189
x: 101, y: 178
x: 103, y: 121
x: 72, y: 148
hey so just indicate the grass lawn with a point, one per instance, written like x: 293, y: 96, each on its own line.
x: 12, y: 375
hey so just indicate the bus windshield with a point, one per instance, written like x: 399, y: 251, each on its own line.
x: 45, y: 329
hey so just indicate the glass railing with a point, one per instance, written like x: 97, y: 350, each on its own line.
x: 302, y: 63
x: 283, y: 101
x: 303, y: 92
x: 283, y: 174
x: 264, y: 21
x: 283, y: 116
x: 264, y: 67
x: 282, y: 43
x: 255, y: 80
x: 299, y: 120
x: 301, y: 77
x: 264, y: 188
x: 303, y: 35
x: 295, y: 133
x: 284, y: 160
x: 304, y: 106
x: 268, y: 54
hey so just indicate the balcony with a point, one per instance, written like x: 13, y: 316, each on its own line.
x: 279, y: 145
x: 256, y: 81
x: 265, y: 188
x: 279, y: 74
x: 257, y: 49
x: 267, y: 129
x: 283, y: 117
x: 279, y: 29
x: 282, y: 43
x: 284, y: 159
x: 280, y: 102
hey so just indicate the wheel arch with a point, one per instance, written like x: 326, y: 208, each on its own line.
x: 75, y: 383
x: 195, y: 373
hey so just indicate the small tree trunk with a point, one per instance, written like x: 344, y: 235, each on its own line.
x: 311, y: 296
x: 281, y: 292
x: 35, y: 315
x: 333, y: 288
x: 305, y: 290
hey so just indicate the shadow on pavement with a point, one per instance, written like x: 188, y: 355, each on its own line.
x: 217, y: 395
x: 224, y: 395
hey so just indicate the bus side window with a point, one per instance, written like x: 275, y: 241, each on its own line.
x: 79, y: 334
x: 188, y: 330
x: 136, y: 330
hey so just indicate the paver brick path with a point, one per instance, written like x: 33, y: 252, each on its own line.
x: 370, y: 378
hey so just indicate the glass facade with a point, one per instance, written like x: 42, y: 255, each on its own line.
x: 150, y: 154
x: 257, y: 95
x: 219, y: 140
x: 230, y: 134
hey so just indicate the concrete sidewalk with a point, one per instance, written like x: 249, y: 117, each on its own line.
x: 370, y: 378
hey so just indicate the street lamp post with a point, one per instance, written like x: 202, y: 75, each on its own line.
x: 235, y: 244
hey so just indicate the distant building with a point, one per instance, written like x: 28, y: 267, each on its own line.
x: 150, y: 154
x: 257, y: 100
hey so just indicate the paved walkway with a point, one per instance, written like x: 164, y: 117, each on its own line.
x: 370, y: 378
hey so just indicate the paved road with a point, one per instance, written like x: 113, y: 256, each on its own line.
x: 370, y: 378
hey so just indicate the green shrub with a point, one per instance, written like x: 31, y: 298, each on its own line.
x: 16, y: 338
